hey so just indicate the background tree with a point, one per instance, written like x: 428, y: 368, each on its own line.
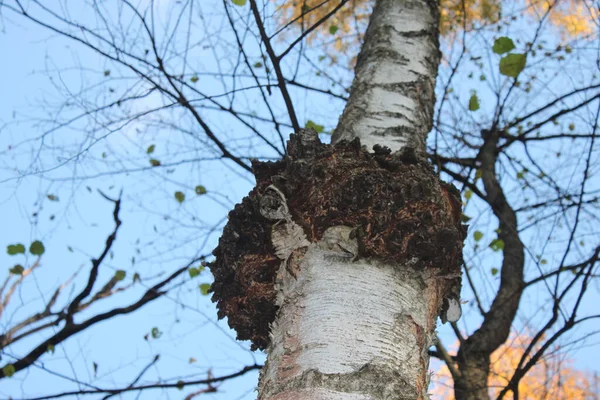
x: 174, y: 92
x: 553, y: 377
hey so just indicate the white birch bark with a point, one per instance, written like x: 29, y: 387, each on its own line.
x: 349, y: 330
x: 392, y: 96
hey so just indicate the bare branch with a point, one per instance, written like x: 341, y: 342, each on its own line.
x: 179, y: 384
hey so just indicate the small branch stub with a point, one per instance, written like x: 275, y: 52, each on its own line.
x: 358, y: 204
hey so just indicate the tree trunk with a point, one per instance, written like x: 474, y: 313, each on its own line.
x: 351, y: 330
x: 474, y: 353
x: 367, y: 246
x: 392, y: 97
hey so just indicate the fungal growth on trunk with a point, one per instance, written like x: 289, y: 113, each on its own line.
x: 358, y: 204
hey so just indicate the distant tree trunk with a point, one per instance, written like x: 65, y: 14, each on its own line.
x: 367, y: 240
x: 475, y: 352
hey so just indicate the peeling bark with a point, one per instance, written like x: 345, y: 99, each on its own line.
x: 344, y: 327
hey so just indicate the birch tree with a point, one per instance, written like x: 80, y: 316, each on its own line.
x: 366, y: 247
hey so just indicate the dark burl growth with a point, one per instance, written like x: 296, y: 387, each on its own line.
x: 402, y: 213
x: 245, y: 266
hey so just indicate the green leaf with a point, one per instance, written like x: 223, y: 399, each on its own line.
x: 543, y: 261
x: 512, y: 64
x: 316, y: 127
x: 503, y: 45
x: 239, y: 2
x: 494, y: 271
x: 106, y: 72
x: 333, y: 29
x: 200, y: 190
x: 478, y: 174
x: 497, y: 245
x: 180, y: 196
x: 477, y: 235
x: 50, y: 348
x: 194, y: 272
x: 204, y: 288
x: 468, y: 194
x: 156, y: 333
x: 194, y: 79
x: 464, y: 218
x: 37, y: 248
x: 521, y: 175
x: 150, y: 149
x: 179, y: 385
x: 120, y: 275
x: 154, y: 163
x: 258, y: 64
x: 13, y: 249
x: 17, y: 270
x: 473, y: 103
x: 52, y: 197
x: 8, y: 370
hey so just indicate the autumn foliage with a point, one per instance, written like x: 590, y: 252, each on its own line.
x: 554, y: 377
x: 572, y: 18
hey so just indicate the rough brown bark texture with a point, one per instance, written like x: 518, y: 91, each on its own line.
x: 398, y: 208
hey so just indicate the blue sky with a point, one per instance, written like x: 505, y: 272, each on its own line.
x: 83, y: 220
x: 166, y: 233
